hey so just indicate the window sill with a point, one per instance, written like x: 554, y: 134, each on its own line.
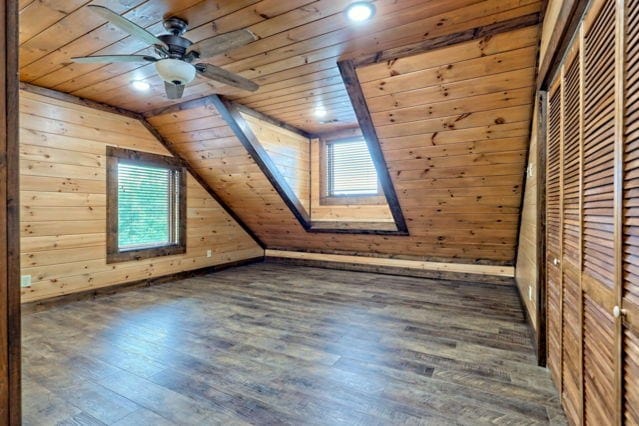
x: 352, y: 227
x: 147, y: 253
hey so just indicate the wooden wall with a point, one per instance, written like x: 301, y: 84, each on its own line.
x: 458, y: 173
x: 527, y: 265
x: 63, y: 203
x: 290, y: 152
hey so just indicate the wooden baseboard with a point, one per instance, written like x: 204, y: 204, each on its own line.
x: 433, y: 270
x: 44, y: 304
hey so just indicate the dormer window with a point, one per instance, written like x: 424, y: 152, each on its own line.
x: 349, y: 174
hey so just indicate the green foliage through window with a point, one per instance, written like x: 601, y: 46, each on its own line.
x: 147, y: 206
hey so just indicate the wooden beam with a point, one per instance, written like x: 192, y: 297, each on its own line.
x: 231, y: 113
x: 354, y: 89
x: 10, y: 401
x: 273, y: 121
x: 201, y: 181
x: 65, y: 97
x: 209, y: 100
x: 183, y: 106
x: 449, y: 40
x: 569, y: 17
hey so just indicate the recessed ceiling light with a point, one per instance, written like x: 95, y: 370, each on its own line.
x: 140, y: 85
x: 320, y: 112
x: 360, y: 11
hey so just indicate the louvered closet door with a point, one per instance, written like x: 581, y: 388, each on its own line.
x: 553, y: 234
x: 598, y: 260
x: 571, y: 240
x: 630, y: 301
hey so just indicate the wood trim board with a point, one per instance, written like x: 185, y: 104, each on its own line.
x: 570, y: 16
x: 490, y: 270
x: 114, y: 156
x: 449, y: 40
x: 231, y: 113
x: 347, y: 68
x: 45, y: 304
x: 10, y: 376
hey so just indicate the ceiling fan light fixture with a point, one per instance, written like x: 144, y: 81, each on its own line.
x: 175, y: 71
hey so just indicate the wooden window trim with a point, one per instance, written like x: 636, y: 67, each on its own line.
x: 115, y: 156
x: 341, y: 200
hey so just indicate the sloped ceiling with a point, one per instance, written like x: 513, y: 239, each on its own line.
x: 294, y: 60
x: 453, y: 124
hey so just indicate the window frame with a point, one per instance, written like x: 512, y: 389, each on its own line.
x: 116, y: 156
x: 331, y: 200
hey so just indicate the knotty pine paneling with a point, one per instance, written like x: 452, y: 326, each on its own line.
x: 527, y: 270
x: 294, y: 60
x: 63, y: 203
x: 291, y: 154
x: 456, y: 153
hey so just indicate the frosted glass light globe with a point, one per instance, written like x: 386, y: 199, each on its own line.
x: 175, y: 71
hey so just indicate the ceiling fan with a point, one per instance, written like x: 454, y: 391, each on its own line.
x: 177, y: 53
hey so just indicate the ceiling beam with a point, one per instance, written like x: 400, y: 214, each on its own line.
x: 231, y: 113
x: 354, y: 89
x: 448, y: 40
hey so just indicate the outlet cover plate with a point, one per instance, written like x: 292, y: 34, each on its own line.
x: 25, y: 281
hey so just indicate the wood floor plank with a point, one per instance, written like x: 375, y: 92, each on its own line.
x: 281, y: 344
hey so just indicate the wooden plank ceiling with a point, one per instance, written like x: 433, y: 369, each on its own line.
x: 294, y: 60
x: 453, y: 123
x: 458, y: 173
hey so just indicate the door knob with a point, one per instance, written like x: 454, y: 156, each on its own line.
x: 555, y: 261
x: 617, y: 312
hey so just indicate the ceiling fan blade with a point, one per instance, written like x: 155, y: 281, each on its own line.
x: 173, y: 91
x: 127, y: 26
x: 113, y: 58
x: 219, y: 44
x: 226, y: 77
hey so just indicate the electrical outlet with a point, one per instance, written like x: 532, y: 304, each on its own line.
x: 209, y: 253
x: 25, y: 281
x: 530, y: 294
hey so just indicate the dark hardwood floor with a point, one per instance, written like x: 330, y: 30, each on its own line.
x: 274, y: 344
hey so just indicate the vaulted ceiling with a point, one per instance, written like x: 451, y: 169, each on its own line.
x: 453, y: 123
x: 294, y: 59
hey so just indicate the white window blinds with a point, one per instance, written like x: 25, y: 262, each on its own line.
x: 350, y: 169
x: 148, y: 209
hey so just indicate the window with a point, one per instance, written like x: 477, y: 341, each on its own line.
x: 350, y: 175
x: 146, y: 205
